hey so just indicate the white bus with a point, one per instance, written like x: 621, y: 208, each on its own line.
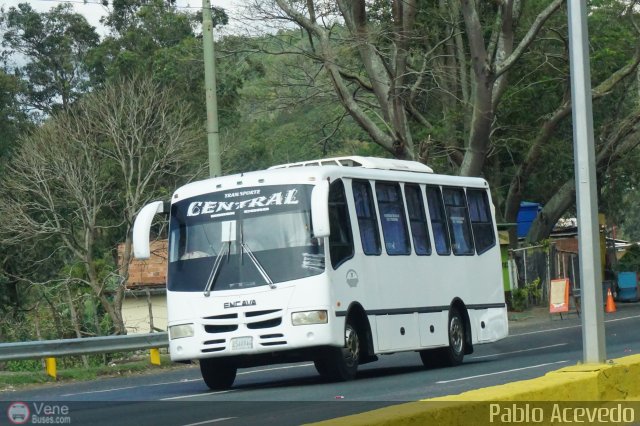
x: 335, y: 261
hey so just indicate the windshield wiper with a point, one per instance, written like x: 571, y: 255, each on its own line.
x: 215, y: 268
x: 257, y: 264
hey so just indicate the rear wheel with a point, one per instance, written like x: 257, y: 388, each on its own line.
x: 453, y: 354
x: 430, y: 358
x: 341, y: 364
x: 218, y: 374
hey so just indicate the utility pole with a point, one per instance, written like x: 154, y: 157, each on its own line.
x: 213, y: 137
x: 593, y: 338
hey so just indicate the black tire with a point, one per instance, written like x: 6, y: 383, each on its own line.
x: 218, y: 374
x: 321, y: 367
x: 430, y: 358
x: 453, y: 354
x: 341, y: 364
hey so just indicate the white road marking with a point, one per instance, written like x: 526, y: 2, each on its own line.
x: 131, y: 387
x: 197, y: 394
x: 275, y: 368
x: 183, y: 381
x: 549, y: 330
x: 206, y: 422
x: 516, y: 352
x: 501, y: 372
x: 310, y: 364
x: 569, y: 327
x: 621, y: 319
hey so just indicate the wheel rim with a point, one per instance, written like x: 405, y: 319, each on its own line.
x: 352, y: 345
x: 456, y: 334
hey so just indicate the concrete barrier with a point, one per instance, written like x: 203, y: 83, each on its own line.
x: 598, y: 387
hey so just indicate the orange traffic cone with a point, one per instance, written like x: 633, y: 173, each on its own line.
x: 610, y: 306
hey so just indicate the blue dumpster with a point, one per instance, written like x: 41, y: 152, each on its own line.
x: 627, y: 287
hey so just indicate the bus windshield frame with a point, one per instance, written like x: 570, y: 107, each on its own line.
x: 272, y: 225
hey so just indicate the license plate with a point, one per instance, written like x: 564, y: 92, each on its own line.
x: 241, y: 343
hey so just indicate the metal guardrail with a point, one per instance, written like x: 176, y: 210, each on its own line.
x: 83, y: 346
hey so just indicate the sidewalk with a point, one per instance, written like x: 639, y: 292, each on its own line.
x: 538, y: 317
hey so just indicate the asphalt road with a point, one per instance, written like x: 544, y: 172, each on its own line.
x: 295, y: 394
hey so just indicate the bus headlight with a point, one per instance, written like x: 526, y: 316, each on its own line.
x: 180, y: 331
x: 309, y: 317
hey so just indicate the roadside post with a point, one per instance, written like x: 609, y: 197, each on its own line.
x: 50, y: 367
x: 593, y: 339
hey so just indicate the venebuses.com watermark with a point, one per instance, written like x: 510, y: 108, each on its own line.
x: 20, y: 413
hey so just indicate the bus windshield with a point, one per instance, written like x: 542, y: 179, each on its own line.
x: 272, y: 223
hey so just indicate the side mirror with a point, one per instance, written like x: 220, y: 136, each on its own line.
x: 142, y: 227
x: 320, y: 210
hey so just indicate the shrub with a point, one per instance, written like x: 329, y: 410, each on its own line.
x: 631, y: 260
x: 530, y: 294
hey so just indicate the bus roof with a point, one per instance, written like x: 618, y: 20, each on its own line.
x: 312, y: 172
x: 365, y: 162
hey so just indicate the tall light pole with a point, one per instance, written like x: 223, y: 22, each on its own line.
x: 593, y: 338
x: 213, y: 137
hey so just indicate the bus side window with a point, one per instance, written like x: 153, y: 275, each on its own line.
x: 481, y: 221
x: 458, y: 220
x: 367, y: 218
x: 436, y: 212
x: 417, y: 219
x: 341, y: 238
x: 393, y: 219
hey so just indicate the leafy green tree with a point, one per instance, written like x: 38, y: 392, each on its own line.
x: 544, y: 170
x: 159, y: 39
x: 55, y: 45
x: 13, y: 118
x: 620, y: 199
x: 631, y: 259
x: 139, y: 30
x: 102, y: 159
x: 407, y: 62
x: 483, y: 86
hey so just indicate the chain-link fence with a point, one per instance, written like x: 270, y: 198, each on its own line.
x: 534, y: 267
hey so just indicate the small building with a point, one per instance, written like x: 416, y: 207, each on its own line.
x: 144, y: 308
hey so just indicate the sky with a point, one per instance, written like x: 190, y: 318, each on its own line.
x: 93, y: 9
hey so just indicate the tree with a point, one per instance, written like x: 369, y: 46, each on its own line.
x: 447, y: 74
x: 398, y: 59
x: 13, y: 118
x: 55, y: 45
x: 139, y: 31
x: 112, y: 152
x: 616, y: 117
x: 157, y: 38
x: 618, y: 143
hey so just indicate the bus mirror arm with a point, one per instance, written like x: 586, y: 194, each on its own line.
x: 142, y: 227
x: 320, y: 209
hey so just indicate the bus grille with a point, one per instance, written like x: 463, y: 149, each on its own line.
x: 253, y: 320
x: 265, y: 324
x: 220, y: 328
x: 272, y: 339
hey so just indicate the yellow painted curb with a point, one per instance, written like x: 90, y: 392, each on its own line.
x: 617, y: 380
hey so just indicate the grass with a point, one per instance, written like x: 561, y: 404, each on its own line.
x: 10, y: 380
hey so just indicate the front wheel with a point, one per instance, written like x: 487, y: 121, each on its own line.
x: 341, y: 364
x: 218, y: 374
